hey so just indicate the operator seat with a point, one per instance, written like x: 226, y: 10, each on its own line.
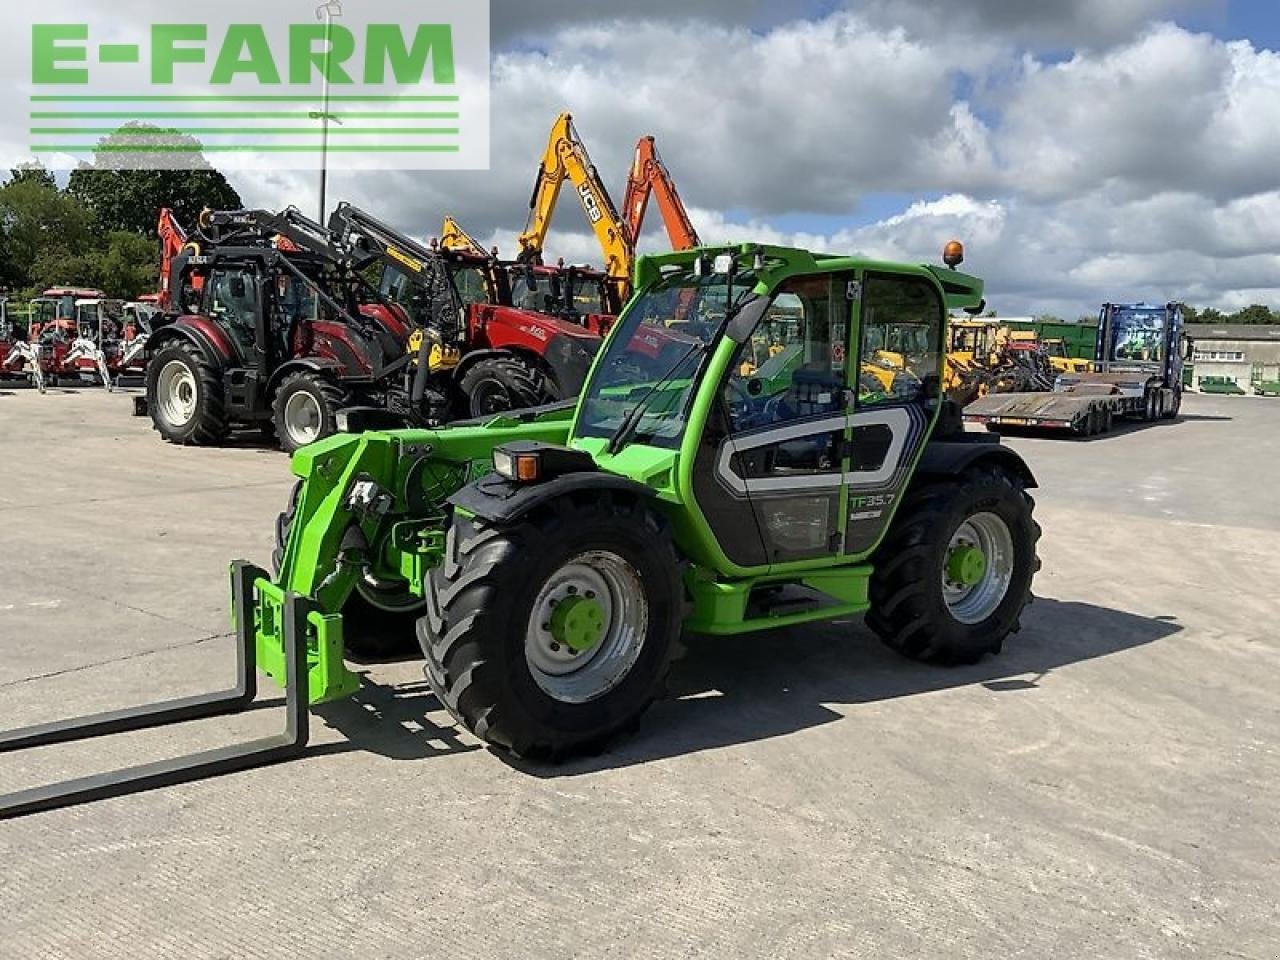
x: 815, y: 392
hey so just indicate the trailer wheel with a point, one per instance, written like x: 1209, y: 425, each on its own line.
x: 376, y: 626
x: 954, y: 575
x: 184, y: 396
x: 549, y: 637
x: 499, y: 384
x: 306, y: 409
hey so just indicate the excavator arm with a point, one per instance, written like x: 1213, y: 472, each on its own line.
x: 456, y: 240
x: 567, y: 159
x: 173, y: 240
x: 649, y: 177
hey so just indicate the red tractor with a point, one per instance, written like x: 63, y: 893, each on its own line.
x: 275, y: 325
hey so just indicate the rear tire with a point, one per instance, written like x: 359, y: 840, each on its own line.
x: 184, y: 396
x: 1176, y: 407
x: 918, y: 606
x: 512, y: 677
x: 306, y: 409
x: 499, y: 384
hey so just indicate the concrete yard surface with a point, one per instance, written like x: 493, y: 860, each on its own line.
x: 1106, y: 788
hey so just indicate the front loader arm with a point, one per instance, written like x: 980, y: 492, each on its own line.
x: 372, y: 505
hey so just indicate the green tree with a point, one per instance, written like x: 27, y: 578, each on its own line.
x: 38, y: 220
x: 128, y: 267
x: 1256, y: 313
x: 32, y: 172
x: 1210, y: 315
x: 131, y: 199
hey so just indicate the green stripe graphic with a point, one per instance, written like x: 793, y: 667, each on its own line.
x: 233, y: 115
x: 245, y: 148
x: 309, y: 98
x: 283, y: 131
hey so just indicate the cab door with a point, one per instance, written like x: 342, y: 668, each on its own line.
x: 899, y: 321
x: 769, y: 476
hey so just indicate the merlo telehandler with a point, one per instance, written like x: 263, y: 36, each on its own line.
x: 551, y: 558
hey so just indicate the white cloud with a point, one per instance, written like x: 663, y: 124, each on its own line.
x: 1141, y: 165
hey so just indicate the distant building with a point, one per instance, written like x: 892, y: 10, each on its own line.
x: 1245, y: 353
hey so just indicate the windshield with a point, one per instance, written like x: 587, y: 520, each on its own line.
x: 1137, y: 335
x: 43, y: 311
x: 653, y: 360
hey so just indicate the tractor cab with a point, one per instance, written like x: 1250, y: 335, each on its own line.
x: 750, y: 370
x: 100, y: 319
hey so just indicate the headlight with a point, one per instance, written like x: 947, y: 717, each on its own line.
x: 529, y: 461
x: 516, y: 467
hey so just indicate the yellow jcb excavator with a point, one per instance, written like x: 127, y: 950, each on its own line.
x: 566, y: 158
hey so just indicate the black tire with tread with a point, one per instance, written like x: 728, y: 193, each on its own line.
x: 908, y: 611
x: 210, y: 424
x: 478, y: 603
x: 524, y: 385
x: 330, y: 396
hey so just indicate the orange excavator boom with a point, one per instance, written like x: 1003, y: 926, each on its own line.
x: 650, y: 177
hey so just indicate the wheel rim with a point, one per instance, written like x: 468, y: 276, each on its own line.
x: 177, y: 393
x: 587, y: 628
x: 490, y: 397
x: 303, y: 418
x: 977, y: 568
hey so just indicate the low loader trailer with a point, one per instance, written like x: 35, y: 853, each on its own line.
x: 546, y: 562
x: 1137, y: 375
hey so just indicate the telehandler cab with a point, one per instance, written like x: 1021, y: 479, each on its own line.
x: 552, y: 557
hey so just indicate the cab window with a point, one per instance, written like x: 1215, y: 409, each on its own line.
x: 902, y: 323
x: 793, y: 366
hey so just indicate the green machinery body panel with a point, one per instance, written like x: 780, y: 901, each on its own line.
x: 375, y: 504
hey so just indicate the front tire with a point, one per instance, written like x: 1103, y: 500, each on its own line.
x: 376, y: 625
x: 184, y: 396
x: 499, y: 384
x: 306, y: 409
x: 549, y: 637
x: 954, y: 575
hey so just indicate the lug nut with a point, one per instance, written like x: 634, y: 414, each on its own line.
x: 555, y: 647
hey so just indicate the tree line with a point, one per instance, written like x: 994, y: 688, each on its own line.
x: 100, y: 229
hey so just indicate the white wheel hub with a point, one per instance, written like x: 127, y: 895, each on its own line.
x: 177, y: 393
x: 303, y: 418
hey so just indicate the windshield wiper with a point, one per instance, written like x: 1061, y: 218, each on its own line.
x: 622, y: 436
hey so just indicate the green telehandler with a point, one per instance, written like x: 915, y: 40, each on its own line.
x: 549, y: 560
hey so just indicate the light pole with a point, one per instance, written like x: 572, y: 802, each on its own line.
x: 327, y: 11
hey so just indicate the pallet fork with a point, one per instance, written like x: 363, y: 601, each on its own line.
x: 197, y: 766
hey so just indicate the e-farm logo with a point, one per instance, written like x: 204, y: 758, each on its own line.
x: 381, y: 83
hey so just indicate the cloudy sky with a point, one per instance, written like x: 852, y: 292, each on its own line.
x: 1084, y: 150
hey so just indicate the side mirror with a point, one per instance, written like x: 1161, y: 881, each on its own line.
x: 755, y: 386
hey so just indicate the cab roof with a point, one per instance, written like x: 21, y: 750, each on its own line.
x: 961, y: 291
